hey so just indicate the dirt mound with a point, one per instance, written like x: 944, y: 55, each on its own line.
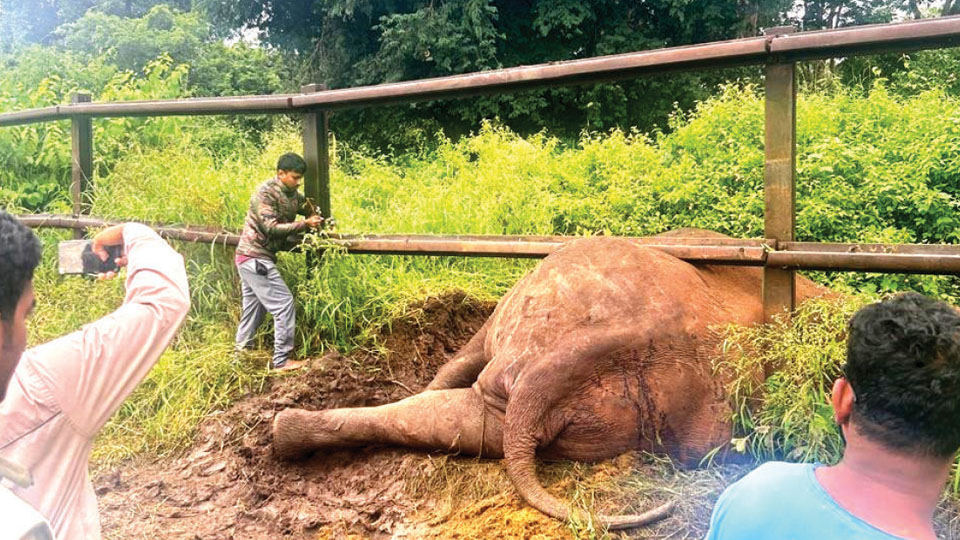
x: 229, y: 486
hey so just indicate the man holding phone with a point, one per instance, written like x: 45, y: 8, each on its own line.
x: 271, y: 226
x: 64, y: 391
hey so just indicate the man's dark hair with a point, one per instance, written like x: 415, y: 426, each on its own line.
x: 19, y: 256
x: 903, y: 363
x: 292, y: 162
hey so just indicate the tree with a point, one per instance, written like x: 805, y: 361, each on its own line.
x: 129, y: 43
x: 216, y: 69
x: 24, y: 22
x: 357, y: 42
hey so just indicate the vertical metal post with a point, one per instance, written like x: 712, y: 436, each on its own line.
x: 316, y: 152
x: 779, y: 178
x: 81, y: 139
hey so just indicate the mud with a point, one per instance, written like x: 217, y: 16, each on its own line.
x: 227, y: 485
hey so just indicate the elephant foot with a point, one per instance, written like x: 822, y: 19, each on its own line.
x: 291, y: 440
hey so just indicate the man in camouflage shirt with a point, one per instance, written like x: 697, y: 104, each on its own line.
x: 271, y: 226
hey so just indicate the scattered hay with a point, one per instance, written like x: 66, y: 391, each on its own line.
x: 470, y: 498
x: 501, y: 516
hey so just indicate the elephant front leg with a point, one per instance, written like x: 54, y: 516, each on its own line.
x: 446, y: 420
x: 462, y: 371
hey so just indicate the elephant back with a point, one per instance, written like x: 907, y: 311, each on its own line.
x: 592, y: 285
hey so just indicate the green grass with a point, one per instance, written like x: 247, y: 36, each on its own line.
x: 866, y: 172
x: 788, y: 415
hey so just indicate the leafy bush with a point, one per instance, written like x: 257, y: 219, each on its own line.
x: 788, y: 415
x: 875, y: 167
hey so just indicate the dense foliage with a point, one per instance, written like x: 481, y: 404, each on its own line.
x: 349, y: 43
x: 357, y: 42
x: 874, y: 167
x: 878, y: 160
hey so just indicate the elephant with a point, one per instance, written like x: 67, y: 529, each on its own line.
x: 606, y: 346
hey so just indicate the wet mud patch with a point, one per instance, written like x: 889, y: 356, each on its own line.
x: 228, y: 486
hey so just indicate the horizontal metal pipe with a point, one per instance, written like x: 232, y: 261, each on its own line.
x: 272, y: 104
x: 189, y: 234
x: 927, y: 249
x: 927, y: 33
x: 439, y: 245
x: 719, y: 250
x: 868, y: 39
x: 894, y: 258
x: 657, y: 240
x: 589, y: 70
x: 192, y: 106
x: 31, y: 116
x: 898, y: 263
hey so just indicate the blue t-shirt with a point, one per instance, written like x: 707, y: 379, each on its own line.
x: 785, y: 501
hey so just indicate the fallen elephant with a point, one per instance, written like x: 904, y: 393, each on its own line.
x: 606, y: 346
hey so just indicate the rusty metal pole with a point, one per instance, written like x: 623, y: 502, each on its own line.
x: 779, y: 174
x: 316, y: 152
x: 81, y: 138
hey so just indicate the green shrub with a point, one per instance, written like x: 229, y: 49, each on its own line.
x: 788, y: 415
x: 871, y: 168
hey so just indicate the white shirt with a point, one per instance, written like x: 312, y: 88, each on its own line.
x: 64, y: 391
x: 19, y: 520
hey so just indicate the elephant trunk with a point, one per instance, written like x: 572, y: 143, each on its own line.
x: 519, y: 450
x: 528, y: 426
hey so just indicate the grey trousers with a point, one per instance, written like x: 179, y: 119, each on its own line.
x: 265, y: 292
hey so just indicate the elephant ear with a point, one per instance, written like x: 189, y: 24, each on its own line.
x: 527, y: 427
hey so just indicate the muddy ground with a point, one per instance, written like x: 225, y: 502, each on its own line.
x: 227, y: 485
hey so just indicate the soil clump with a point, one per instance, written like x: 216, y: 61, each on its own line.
x: 229, y: 486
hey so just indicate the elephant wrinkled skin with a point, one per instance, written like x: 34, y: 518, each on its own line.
x: 604, y: 347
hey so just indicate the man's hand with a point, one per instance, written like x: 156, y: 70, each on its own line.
x: 111, y: 236
x: 314, y: 221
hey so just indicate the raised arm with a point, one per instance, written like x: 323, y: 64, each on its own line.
x: 90, y: 372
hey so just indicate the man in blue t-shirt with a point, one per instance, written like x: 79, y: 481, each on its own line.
x: 897, y: 406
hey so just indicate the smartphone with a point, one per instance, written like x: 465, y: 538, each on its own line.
x: 77, y: 257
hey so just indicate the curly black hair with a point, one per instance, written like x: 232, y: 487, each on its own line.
x: 903, y: 363
x: 292, y: 162
x: 19, y: 256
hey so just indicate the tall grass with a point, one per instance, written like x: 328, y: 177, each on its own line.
x: 788, y: 414
x: 870, y: 168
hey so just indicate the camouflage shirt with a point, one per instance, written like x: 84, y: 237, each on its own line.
x: 270, y: 225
